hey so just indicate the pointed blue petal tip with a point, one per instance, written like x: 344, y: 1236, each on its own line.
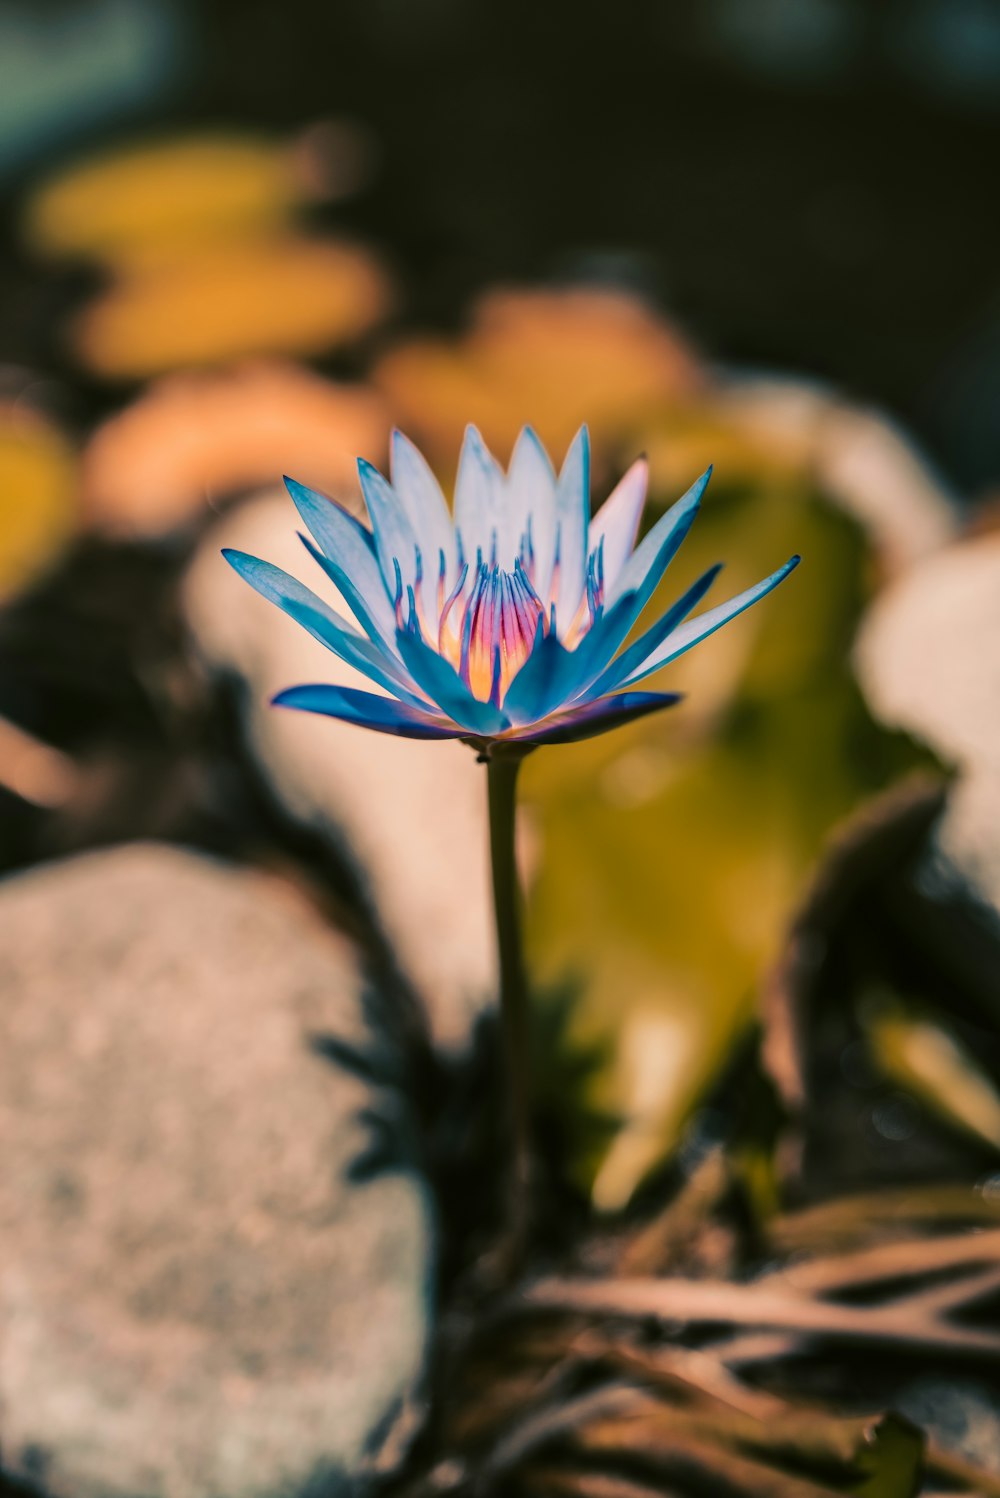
x: 240, y: 561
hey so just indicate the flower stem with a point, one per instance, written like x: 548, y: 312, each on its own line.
x: 502, y: 781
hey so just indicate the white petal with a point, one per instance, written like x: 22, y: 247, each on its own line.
x: 572, y: 517
x: 420, y: 495
x: 616, y: 523
x: 530, y: 493
x: 478, y: 495
x: 395, y: 539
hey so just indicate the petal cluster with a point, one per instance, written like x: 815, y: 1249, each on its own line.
x: 507, y: 622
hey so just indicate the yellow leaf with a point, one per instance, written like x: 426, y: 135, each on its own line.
x: 282, y: 295
x: 921, y: 1056
x: 154, y: 201
x: 38, y: 483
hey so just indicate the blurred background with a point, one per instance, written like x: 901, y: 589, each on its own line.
x: 240, y: 240
x: 801, y: 186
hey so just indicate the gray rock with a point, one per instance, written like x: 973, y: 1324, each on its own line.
x: 960, y: 1414
x: 928, y: 660
x: 858, y: 458
x: 193, y: 1299
x: 412, y: 814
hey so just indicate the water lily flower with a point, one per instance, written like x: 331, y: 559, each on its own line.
x: 506, y: 624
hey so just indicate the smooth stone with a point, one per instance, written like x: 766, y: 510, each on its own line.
x: 928, y: 660
x: 960, y: 1414
x: 862, y: 462
x: 413, y: 814
x: 194, y: 1299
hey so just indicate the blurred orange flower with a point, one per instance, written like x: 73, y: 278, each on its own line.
x: 196, y: 438
x: 543, y: 356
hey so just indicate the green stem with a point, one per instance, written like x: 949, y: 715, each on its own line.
x: 502, y: 780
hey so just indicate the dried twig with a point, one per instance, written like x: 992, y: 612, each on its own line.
x: 839, y: 1223
x: 686, y: 1371
x: 35, y: 771
x: 907, y: 1259
x: 670, y: 1438
x: 563, y: 1483
x: 544, y: 1425
x: 683, y: 1302
x: 974, y: 1480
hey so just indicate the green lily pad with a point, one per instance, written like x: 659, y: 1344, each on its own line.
x: 893, y: 1460
x: 916, y: 1049
x: 672, y: 852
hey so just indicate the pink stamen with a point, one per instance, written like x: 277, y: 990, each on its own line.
x: 487, y: 625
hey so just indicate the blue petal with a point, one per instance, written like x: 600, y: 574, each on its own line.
x: 604, y: 638
x: 438, y: 678
x: 620, y: 669
x: 478, y: 494
x: 347, y: 543
x: 553, y: 675
x: 381, y: 631
x: 542, y: 682
x: 367, y: 710
x: 596, y: 717
x: 395, y: 539
x: 647, y: 564
x: 315, y: 616
x: 572, y: 521
x: 706, y: 624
